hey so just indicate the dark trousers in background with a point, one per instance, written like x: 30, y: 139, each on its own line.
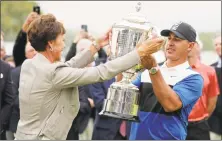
x: 73, y: 134
x: 119, y: 137
x: 3, y: 135
x: 198, y: 130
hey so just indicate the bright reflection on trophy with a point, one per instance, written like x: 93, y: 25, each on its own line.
x: 122, y: 100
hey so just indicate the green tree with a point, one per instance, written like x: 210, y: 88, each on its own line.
x: 207, y: 39
x: 13, y: 15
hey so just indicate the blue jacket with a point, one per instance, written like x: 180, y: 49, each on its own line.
x: 105, y: 128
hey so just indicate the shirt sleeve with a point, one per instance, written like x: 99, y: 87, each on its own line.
x: 189, y: 89
x: 213, y: 89
x: 137, y: 81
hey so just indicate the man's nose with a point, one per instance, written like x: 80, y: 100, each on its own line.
x: 170, y: 42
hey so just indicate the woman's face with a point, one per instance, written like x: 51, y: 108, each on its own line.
x: 57, y: 47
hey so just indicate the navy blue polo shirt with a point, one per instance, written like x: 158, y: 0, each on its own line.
x: 157, y: 124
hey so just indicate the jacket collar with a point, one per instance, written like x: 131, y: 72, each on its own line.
x: 42, y: 58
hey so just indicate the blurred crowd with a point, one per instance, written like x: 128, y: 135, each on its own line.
x: 205, y: 120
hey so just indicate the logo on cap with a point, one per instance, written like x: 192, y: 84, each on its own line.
x: 176, y: 25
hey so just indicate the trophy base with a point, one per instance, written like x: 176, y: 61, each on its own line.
x: 122, y: 102
x: 119, y: 116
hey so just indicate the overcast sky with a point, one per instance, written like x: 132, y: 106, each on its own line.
x: 100, y: 15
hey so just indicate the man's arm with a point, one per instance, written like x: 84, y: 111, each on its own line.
x: 72, y: 52
x: 19, y: 48
x: 7, y: 97
x: 98, y: 95
x: 165, y: 95
x: 84, y: 103
x: 213, y: 92
x: 15, y: 78
x: 183, y: 93
x: 211, y: 104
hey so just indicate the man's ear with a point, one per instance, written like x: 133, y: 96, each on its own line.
x: 191, y: 45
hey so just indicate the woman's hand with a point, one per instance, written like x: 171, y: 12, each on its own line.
x: 104, y: 40
x: 147, y: 48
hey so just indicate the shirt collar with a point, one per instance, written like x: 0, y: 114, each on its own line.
x: 219, y: 63
x: 197, y: 65
x: 182, y: 66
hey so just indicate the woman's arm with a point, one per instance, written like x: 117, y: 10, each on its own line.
x: 83, y: 58
x: 64, y: 76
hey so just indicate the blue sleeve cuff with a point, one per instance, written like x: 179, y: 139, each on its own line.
x: 137, y: 81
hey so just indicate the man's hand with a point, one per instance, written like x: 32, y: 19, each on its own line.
x: 80, y: 35
x: 119, y: 77
x: 148, y: 62
x: 91, y: 102
x: 31, y: 17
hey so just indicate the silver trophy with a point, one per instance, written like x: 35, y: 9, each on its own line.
x: 122, y: 100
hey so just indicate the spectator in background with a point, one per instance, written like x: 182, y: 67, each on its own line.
x: 198, y: 128
x: 217, y: 45
x: 10, y: 61
x: 81, y: 121
x: 30, y: 52
x: 3, y: 55
x: 215, y: 121
x: 72, y: 50
x: 3, y: 52
x: 22, y: 50
x: 105, y: 128
x: 6, y: 96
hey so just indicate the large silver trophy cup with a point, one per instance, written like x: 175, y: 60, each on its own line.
x: 122, y: 100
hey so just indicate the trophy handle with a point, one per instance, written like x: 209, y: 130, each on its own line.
x: 145, y: 35
x: 152, y: 33
x: 113, y: 44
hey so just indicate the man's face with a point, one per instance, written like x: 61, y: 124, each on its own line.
x: 177, y: 48
x: 195, y: 52
x: 2, y: 41
x: 217, y: 44
x: 30, y: 52
x: 3, y: 53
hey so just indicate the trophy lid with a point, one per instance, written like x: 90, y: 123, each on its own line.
x: 135, y: 20
x: 137, y: 17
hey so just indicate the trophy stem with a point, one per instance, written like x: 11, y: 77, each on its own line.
x: 127, y: 75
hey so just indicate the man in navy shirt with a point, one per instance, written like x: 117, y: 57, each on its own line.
x: 169, y: 92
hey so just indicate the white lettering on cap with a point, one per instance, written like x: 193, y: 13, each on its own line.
x: 176, y: 25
